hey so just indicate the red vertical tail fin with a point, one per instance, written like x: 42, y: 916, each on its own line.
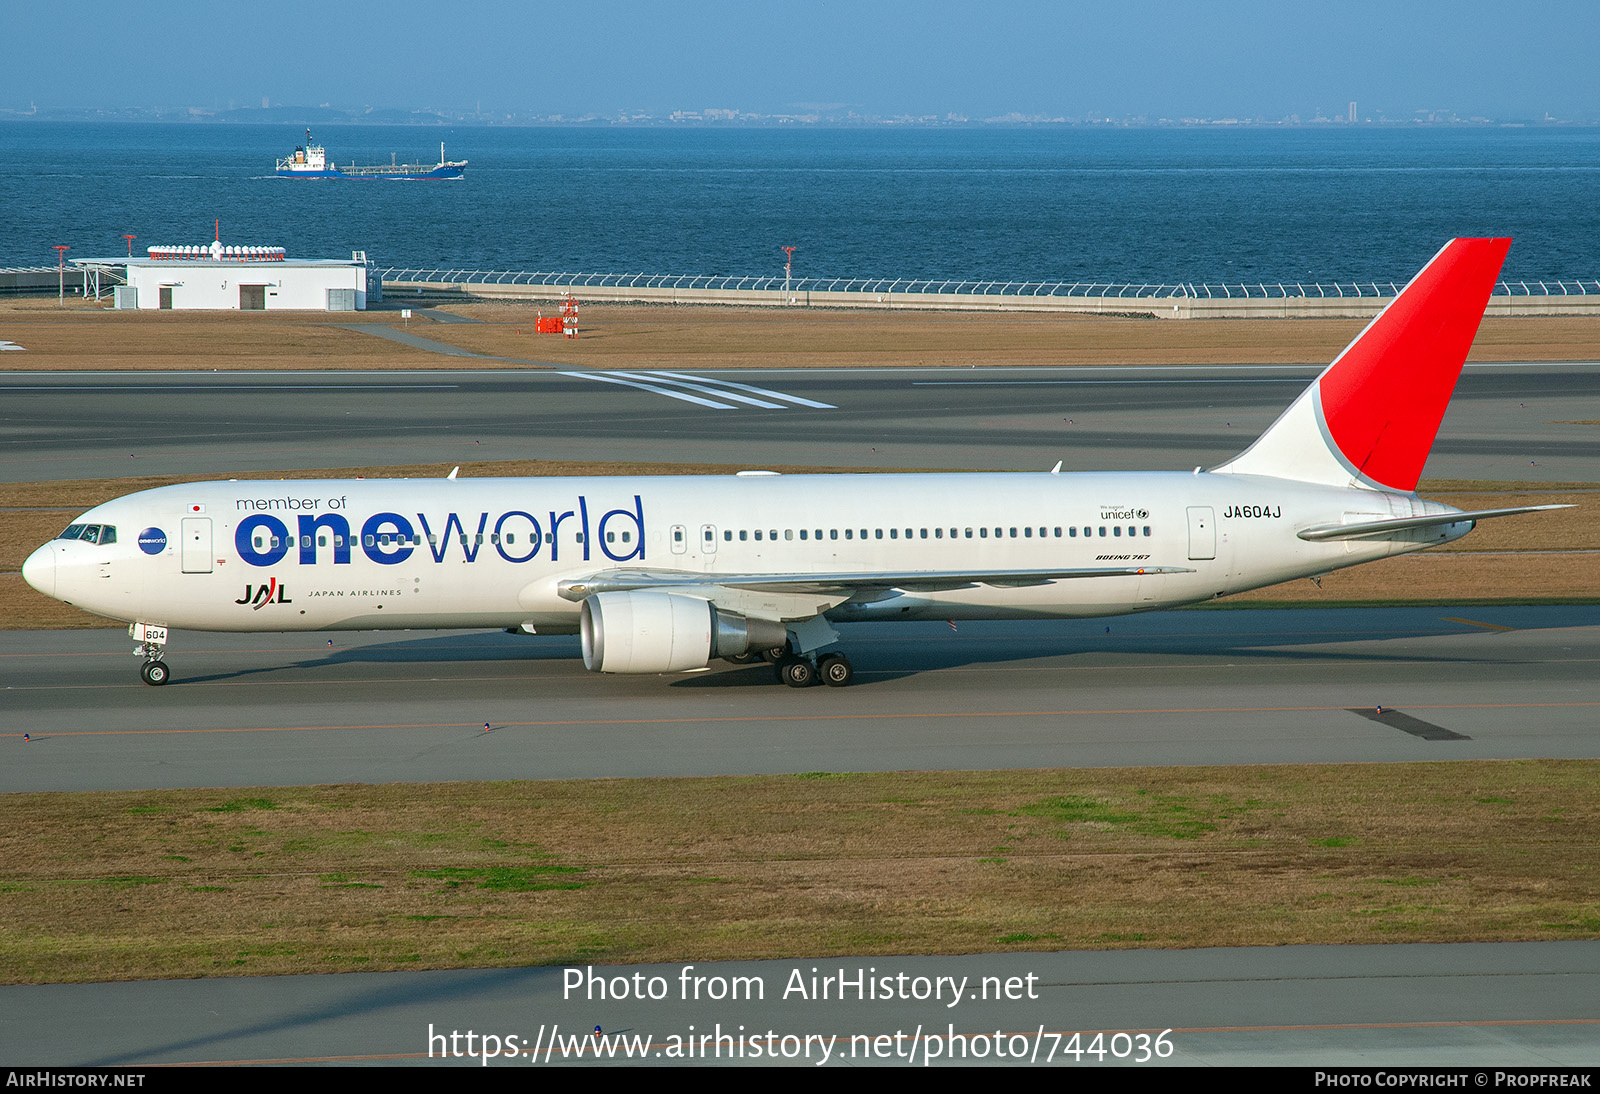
x: 1371, y: 417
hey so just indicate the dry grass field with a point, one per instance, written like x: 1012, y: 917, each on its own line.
x: 83, y: 336
x: 101, y: 886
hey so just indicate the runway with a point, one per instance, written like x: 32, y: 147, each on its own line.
x: 1469, y: 1007
x: 1185, y: 687
x: 1507, y: 422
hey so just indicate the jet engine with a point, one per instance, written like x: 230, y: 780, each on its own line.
x: 643, y: 631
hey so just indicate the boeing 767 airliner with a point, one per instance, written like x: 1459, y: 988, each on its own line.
x: 665, y: 574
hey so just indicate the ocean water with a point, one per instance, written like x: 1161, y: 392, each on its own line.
x: 1122, y: 205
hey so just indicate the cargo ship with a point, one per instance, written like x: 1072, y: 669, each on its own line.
x: 310, y: 161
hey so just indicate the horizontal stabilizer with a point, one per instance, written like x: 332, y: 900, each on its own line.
x: 1321, y: 532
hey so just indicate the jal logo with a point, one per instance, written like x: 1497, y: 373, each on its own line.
x: 259, y: 596
x: 152, y: 541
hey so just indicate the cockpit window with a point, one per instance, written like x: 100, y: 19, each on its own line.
x: 91, y: 533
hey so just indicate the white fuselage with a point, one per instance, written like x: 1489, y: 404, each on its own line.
x: 435, y: 553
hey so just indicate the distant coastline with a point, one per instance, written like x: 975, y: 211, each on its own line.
x: 302, y: 116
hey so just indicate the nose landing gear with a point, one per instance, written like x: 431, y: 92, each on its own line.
x: 152, y: 640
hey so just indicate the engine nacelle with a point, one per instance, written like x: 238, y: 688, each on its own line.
x: 643, y: 631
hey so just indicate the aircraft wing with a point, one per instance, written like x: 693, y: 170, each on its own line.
x: 848, y: 583
x: 1320, y: 532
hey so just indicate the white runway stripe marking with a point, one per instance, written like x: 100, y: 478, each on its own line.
x: 685, y: 396
x: 748, y: 387
x: 678, y: 385
x: 677, y: 381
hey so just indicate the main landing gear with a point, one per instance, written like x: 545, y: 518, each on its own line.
x: 801, y: 670
x: 833, y: 669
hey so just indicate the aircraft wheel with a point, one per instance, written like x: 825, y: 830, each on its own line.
x: 774, y: 655
x: 746, y: 658
x: 836, y: 670
x: 797, y: 672
x: 155, y: 673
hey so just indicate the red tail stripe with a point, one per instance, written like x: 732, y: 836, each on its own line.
x: 1384, y: 397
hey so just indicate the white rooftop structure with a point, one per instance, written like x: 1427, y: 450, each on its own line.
x: 226, y: 277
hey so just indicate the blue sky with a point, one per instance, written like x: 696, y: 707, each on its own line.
x: 1160, y: 59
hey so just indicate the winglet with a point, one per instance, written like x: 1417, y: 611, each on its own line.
x: 1371, y: 417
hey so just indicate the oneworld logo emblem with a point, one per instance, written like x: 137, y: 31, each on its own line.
x: 152, y: 541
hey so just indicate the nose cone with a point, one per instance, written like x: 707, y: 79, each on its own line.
x: 40, y: 570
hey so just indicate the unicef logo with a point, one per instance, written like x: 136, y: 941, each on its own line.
x: 152, y: 541
x: 1142, y: 514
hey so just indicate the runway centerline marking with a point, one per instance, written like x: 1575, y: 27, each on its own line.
x: 1475, y: 623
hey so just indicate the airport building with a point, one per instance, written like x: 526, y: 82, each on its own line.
x: 221, y: 277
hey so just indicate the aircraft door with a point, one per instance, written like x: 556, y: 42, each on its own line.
x: 1202, y: 532
x: 197, y: 545
x: 680, y: 539
x: 708, y: 539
